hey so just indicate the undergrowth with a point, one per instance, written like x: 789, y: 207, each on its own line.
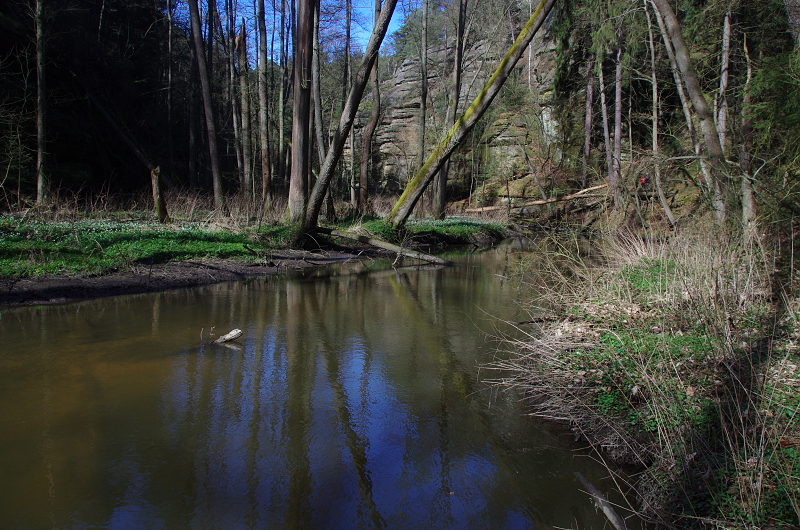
x: 674, y: 356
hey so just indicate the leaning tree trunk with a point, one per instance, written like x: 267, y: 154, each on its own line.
x: 205, y: 87
x: 301, y: 111
x: 440, y: 182
x: 405, y: 204
x: 41, y: 105
x: 687, y: 113
x: 710, y: 133
x: 346, y: 119
x: 369, y: 131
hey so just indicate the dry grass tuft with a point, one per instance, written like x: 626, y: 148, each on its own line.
x: 668, y: 355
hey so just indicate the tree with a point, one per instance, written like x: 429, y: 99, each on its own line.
x: 416, y: 186
x: 587, y: 122
x: 369, y: 131
x: 208, y: 107
x: 247, y: 150
x: 301, y: 110
x: 654, y: 78
x: 423, y: 86
x: 263, y: 120
x: 710, y: 133
x: 440, y: 184
x: 346, y: 119
x: 41, y: 106
x: 616, y: 171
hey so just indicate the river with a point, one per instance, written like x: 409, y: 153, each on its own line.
x: 352, y: 400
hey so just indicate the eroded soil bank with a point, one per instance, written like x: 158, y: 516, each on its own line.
x: 141, y: 277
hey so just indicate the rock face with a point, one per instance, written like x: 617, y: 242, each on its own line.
x: 500, y: 149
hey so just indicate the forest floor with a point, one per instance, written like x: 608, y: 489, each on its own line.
x: 50, y: 261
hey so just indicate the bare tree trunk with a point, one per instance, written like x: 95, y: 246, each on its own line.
x: 687, y: 113
x: 301, y: 110
x: 347, y: 117
x: 282, y: 96
x: 616, y: 172
x: 606, y: 133
x: 233, y: 96
x: 263, y: 103
x: 348, y: 82
x: 587, y: 122
x: 710, y: 133
x: 316, y: 96
x: 405, y: 204
x: 211, y: 14
x: 205, y: 85
x: 42, y: 190
x: 169, y: 88
x: 316, y: 92
x: 656, y: 166
x: 722, y: 102
x: 369, y: 132
x: 748, y: 198
x: 793, y: 18
x: 423, y: 87
x: 247, y: 149
x: 193, y: 122
x: 440, y: 182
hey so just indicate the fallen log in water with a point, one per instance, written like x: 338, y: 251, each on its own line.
x: 386, y: 246
x: 231, y: 335
x: 617, y: 521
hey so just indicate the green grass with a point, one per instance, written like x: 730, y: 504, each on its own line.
x: 90, y: 246
x: 451, y: 231
x: 34, y: 248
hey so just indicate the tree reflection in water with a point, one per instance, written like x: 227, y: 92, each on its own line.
x: 352, y: 401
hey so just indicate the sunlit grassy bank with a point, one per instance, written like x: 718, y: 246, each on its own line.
x: 679, y: 356
x: 79, y: 243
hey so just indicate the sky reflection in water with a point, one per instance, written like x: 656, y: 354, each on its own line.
x: 351, y: 401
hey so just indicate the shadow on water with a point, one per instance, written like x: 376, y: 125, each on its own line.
x: 351, y: 401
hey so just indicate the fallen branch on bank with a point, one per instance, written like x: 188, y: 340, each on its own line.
x: 577, y: 195
x: 386, y: 246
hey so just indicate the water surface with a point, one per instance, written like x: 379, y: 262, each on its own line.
x: 352, y: 400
